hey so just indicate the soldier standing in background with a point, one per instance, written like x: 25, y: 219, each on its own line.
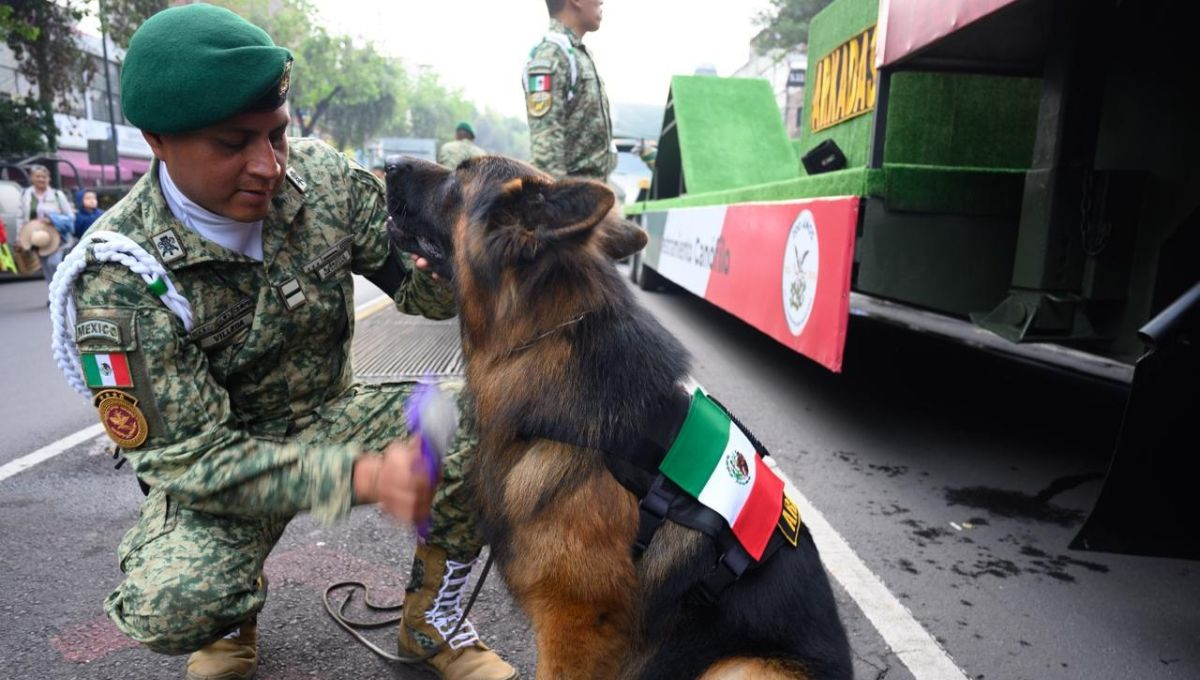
x: 460, y: 148
x: 237, y: 406
x: 570, y: 128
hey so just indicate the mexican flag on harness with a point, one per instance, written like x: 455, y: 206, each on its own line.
x: 714, y: 461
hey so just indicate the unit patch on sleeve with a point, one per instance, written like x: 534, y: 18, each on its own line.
x: 539, y: 103
x: 168, y: 246
x: 330, y: 260
x: 121, y: 418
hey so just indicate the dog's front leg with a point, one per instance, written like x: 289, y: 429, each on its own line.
x: 572, y: 573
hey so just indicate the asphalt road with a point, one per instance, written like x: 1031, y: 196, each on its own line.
x: 957, y: 478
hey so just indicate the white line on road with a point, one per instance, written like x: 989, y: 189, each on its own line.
x: 49, y: 451
x: 913, y: 645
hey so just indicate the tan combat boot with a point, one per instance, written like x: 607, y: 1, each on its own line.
x: 233, y: 657
x: 432, y: 607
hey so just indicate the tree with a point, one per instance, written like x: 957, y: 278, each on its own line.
x: 120, y: 18
x: 786, y: 24
x: 352, y: 117
x: 40, y: 34
x: 26, y: 127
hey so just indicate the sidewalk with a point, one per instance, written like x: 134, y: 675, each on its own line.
x: 390, y: 347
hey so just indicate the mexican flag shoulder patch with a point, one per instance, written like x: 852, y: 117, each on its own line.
x: 110, y: 369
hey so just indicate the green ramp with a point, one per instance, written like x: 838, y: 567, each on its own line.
x: 720, y: 134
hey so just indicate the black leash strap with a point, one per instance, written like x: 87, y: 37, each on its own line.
x: 353, y: 627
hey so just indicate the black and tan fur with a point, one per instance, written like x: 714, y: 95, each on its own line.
x: 557, y: 351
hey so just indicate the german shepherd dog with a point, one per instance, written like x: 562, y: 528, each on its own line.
x: 561, y: 360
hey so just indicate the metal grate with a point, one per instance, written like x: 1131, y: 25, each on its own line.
x: 390, y: 346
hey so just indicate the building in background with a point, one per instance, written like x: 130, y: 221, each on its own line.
x: 87, y: 118
x: 785, y: 71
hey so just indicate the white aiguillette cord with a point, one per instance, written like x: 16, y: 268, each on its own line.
x: 104, y: 246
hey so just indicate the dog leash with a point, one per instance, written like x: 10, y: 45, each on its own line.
x: 353, y: 627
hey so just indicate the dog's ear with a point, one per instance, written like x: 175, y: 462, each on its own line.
x: 621, y: 238
x: 557, y: 211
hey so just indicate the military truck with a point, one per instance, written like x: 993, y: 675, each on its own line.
x: 1020, y: 175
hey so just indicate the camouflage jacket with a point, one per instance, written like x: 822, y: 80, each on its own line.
x: 269, y: 346
x: 570, y: 128
x: 456, y: 151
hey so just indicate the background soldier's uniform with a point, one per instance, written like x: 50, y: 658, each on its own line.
x: 250, y: 415
x: 570, y: 128
x: 458, y: 150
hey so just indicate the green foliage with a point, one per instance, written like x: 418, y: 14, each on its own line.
x: 40, y: 34
x: 26, y: 127
x: 120, y: 18
x: 786, y: 24
x: 345, y: 91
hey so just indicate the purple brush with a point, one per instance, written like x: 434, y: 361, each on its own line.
x: 433, y: 420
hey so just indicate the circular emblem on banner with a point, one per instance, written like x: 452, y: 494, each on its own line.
x: 738, y: 468
x: 122, y: 419
x: 801, y: 261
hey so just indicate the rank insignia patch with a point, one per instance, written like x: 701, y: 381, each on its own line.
x: 291, y: 293
x: 106, y: 369
x: 296, y: 180
x: 539, y: 103
x: 168, y: 246
x: 121, y: 418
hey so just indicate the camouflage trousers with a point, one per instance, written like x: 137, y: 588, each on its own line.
x: 191, y: 576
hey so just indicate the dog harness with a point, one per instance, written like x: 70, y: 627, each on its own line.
x: 697, y: 466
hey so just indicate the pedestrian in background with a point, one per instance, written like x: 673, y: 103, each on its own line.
x: 88, y: 212
x: 40, y: 201
x: 460, y: 148
x: 570, y: 128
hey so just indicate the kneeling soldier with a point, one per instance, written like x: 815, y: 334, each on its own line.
x: 227, y: 380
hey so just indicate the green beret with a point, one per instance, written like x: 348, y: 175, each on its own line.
x: 191, y: 66
x: 465, y: 127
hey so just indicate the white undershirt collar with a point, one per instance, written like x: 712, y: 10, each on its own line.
x: 240, y: 237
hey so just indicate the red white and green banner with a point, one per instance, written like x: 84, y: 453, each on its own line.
x: 784, y: 267
x: 714, y: 462
x: 106, y: 370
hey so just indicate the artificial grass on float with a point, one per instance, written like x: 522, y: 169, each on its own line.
x: 727, y: 134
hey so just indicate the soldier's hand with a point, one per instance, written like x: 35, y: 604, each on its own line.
x: 397, y: 480
x: 422, y: 264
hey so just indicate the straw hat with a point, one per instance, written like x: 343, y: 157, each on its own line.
x: 39, y: 236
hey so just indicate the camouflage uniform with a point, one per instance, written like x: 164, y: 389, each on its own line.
x: 570, y: 128
x: 254, y: 415
x: 456, y: 151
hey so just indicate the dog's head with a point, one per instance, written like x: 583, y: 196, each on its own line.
x: 494, y: 215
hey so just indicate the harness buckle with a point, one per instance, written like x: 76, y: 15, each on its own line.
x: 652, y: 510
x: 730, y: 567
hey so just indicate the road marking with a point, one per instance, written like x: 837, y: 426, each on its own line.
x: 371, y: 306
x: 49, y: 451
x: 912, y: 644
